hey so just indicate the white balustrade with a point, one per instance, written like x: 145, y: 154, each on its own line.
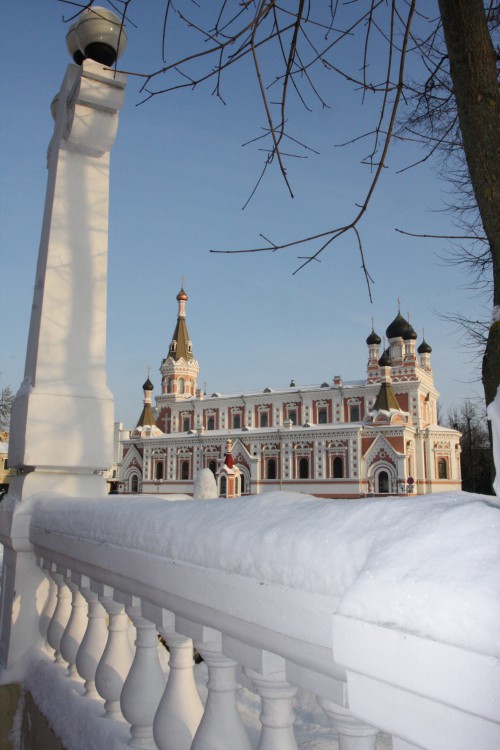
x: 117, y: 656
x: 75, y: 629
x: 95, y: 638
x: 283, y: 638
x: 145, y: 682
x: 60, y: 617
x: 180, y: 709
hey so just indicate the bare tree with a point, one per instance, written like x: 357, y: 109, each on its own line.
x: 6, y: 400
x: 285, y: 43
x: 477, y: 468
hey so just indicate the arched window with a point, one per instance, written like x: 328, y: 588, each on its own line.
x: 264, y: 421
x: 211, y: 423
x: 442, y: 468
x: 170, y: 387
x: 186, y: 424
x: 242, y: 484
x: 338, y: 468
x: 212, y: 465
x: 271, y: 468
x: 223, y: 486
x: 134, y: 483
x: 304, y: 468
x: 236, y: 492
x: 322, y: 415
x: 383, y: 482
x: 159, y: 470
x: 185, y: 470
x: 180, y: 385
x: 236, y: 421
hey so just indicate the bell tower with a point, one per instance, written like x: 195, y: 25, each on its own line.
x: 179, y: 370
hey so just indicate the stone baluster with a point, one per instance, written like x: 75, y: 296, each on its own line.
x: 75, y: 629
x: 277, y: 715
x: 61, y: 615
x: 50, y: 602
x: 353, y: 734
x: 94, y: 641
x: 117, y: 656
x: 221, y: 727
x: 145, y: 683
x: 180, y: 709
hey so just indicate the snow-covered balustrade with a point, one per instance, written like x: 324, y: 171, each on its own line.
x: 386, y: 611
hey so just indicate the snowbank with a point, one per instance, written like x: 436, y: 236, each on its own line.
x: 428, y: 565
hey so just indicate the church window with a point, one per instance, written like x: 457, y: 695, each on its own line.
x: 354, y: 413
x: 159, y: 470
x: 212, y: 465
x: 338, y: 468
x: 264, y: 419
x: 185, y: 470
x: 223, y: 486
x: 180, y: 385
x: 236, y: 492
x: 134, y: 483
x: 211, y: 423
x: 271, y: 468
x: 242, y: 484
x: 442, y: 468
x: 292, y: 415
x: 186, y: 424
x: 236, y: 421
x: 304, y: 468
x: 322, y: 415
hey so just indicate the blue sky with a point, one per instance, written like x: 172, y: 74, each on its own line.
x: 179, y: 179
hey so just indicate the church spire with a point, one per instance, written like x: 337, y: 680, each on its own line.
x: 180, y: 346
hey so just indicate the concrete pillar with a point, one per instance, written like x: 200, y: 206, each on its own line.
x: 62, y: 417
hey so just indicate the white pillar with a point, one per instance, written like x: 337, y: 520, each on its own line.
x: 95, y: 638
x: 277, y: 715
x: 221, y: 727
x: 116, y: 659
x: 62, y: 417
x: 180, y: 708
x: 75, y: 629
x: 60, y: 617
x: 145, y: 682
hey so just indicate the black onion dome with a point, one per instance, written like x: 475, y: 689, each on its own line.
x: 398, y: 327
x: 373, y: 338
x: 148, y: 385
x: 424, y: 348
x: 410, y: 333
x: 385, y: 359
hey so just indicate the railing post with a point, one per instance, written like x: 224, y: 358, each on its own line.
x: 353, y: 734
x: 221, y: 727
x: 60, y: 617
x: 180, y: 709
x: 117, y: 656
x: 145, y: 682
x: 277, y: 715
x: 75, y: 629
x: 94, y: 641
x: 50, y: 602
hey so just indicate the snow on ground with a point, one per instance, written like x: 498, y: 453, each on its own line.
x: 80, y: 724
x: 428, y: 564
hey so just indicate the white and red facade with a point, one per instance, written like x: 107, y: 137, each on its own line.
x: 340, y: 439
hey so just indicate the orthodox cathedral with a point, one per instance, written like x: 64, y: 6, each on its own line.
x: 376, y: 436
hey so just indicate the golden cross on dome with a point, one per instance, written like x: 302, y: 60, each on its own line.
x: 399, y: 305
x: 182, y: 281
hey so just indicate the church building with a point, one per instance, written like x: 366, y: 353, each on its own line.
x: 377, y: 436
